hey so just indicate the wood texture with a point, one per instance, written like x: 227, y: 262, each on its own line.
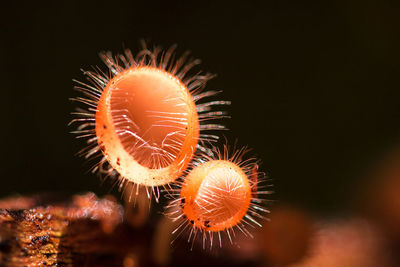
x: 83, y: 231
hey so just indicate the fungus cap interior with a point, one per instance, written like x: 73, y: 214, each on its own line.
x: 218, y: 195
x: 150, y: 115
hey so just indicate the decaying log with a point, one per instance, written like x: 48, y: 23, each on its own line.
x: 87, y: 231
x: 84, y: 231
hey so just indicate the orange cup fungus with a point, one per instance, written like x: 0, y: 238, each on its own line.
x: 144, y: 122
x: 219, y: 194
x: 147, y: 125
x: 143, y: 119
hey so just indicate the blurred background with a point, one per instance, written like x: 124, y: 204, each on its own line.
x: 314, y: 89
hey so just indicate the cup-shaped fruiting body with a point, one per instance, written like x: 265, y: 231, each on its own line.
x: 147, y: 125
x: 144, y: 120
x: 218, y: 195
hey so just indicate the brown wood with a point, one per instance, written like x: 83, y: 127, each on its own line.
x: 84, y: 231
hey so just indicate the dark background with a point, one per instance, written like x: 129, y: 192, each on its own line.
x: 314, y: 85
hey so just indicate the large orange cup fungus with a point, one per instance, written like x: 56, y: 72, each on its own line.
x: 147, y: 125
x: 143, y: 120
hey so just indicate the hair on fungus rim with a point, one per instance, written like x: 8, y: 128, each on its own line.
x: 145, y: 118
x: 221, y: 193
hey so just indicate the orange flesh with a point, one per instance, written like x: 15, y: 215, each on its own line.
x: 147, y: 125
x: 216, y: 195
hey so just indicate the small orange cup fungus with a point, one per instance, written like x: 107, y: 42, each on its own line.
x: 218, y: 195
x: 143, y: 120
